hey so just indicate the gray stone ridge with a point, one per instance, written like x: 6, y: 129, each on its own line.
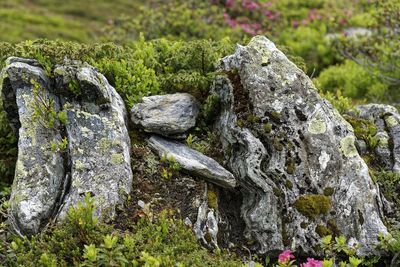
x: 293, y: 155
x: 72, y: 141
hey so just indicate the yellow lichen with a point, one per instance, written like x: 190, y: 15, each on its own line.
x: 347, y: 146
x: 317, y: 126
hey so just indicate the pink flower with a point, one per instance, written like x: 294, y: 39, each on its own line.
x: 286, y: 256
x: 250, y: 5
x: 229, y: 21
x: 311, y: 263
x: 229, y: 3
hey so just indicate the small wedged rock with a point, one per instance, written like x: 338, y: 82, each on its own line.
x: 168, y: 115
x: 387, y: 121
x: 193, y: 161
x: 293, y: 155
x: 50, y: 179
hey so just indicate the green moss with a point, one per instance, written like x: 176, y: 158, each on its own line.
x: 276, y: 116
x: 278, y: 192
x: 364, y: 130
x: 277, y: 144
x: 322, y: 230
x: 267, y: 127
x: 313, y: 206
x: 329, y: 191
x: 212, y: 198
x: 303, y: 225
x: 289, y: 184
x: 331, y: 224
x: 290, y: 165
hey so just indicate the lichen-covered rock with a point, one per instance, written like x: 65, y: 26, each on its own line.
x: 293, y: 155
x: 168, y: 115
x: 39, y: 173
x: 193, y: 161
x: 387, y: 122
x: 73, y: 140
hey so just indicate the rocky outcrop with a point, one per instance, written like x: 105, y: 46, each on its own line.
x: 293, y: 155
x: 73, y: 141
x: 386, y: 141
x: 168, y: 115
x: 193, y: 161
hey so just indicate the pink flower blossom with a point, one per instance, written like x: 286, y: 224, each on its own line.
x: 229, y: 3
x: 311, y: 263
x: 250, y: 5
x: 231, y: 22
x: 286, y: 256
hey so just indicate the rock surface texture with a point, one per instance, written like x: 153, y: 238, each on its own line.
x: 168, y: 115
x: 193, y: 161
x: 387, y: 121
x: 73, y: 140
x: 293, y: 155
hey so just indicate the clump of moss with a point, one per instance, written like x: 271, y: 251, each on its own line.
x: 276, y: 116
x: 331, y: 224
x: 329, y: 191
x: 290, y: 165
x: 313, y: 206
x: 364, y: 130
x: 289, y: 184
x: 322, y: 230
x: 277, y: 144
x: 278, y: 192
x: 267, y: 127
x: 212, y: 198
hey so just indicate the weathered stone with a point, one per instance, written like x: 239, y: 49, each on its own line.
x: 306, y: 151
x: 98, y: 140
x: 39, y: 173
x: 50, y: 179
x: 387, y: 121
x: 168, y: 115
x: 193, y: 161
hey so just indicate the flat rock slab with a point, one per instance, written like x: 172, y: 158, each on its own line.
x: 169, y: 115
x: 193, y: 161
x: 95, y: 160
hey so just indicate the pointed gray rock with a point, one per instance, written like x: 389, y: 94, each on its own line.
x: 193, y: 161
x: 296, y: 162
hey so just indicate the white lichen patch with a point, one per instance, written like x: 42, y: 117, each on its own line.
x: 324, y: 159
x: 317, y: 125
x: 347, y: 146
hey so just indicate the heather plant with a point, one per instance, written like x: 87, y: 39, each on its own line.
x: 82, y: 240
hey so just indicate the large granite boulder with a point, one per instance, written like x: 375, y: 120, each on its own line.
x: 169, y: 115
x: 293, y: 155
x: 73, y: 141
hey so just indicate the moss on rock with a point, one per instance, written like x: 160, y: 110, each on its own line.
x: 313, y: 206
